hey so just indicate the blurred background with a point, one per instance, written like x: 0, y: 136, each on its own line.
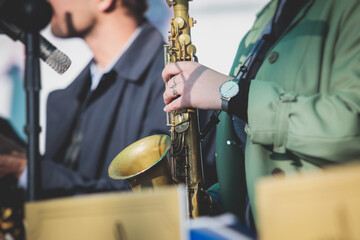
x: 216, y: 35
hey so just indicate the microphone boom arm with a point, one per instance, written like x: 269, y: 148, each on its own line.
x: 56, y: 59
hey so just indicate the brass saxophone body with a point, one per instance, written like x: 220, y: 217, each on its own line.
x: 144, y: 163
x: 185, y: 149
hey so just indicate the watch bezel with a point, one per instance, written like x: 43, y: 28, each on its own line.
x: 226, y: 98
x: 233, y: 94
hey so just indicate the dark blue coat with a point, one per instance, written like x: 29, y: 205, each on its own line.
x: 127, y: 106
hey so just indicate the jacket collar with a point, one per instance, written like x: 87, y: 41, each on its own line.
x: 130, y: 66
x: 300, y: 15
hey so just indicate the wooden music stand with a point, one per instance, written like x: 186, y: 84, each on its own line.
x: 316, y: 205
x: 159, y: 214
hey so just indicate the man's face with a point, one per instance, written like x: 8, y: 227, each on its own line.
x: 72, y: 18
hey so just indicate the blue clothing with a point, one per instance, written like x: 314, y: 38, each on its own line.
x: 125, y: 107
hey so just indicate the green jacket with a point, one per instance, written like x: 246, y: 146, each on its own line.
x: 304, y: 103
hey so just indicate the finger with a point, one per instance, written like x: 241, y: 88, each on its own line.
x: 167, y: 96
x: 173, y: 90
x: 169, y: 71
x: 174, y: 105
x: 173, y: 69
x: 171, y: 93
x: 17, y: 153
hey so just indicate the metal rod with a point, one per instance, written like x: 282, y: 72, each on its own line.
x: 32, y: 129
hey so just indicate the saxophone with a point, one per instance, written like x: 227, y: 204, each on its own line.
x: 144, y: 163
x: 185, y: 149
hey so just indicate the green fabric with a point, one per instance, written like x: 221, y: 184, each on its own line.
x: 229, y: 168
x: 303, y: 111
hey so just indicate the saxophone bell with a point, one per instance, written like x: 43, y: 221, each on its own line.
x: 144, y: 163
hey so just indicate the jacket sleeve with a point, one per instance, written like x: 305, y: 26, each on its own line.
x: 66, y: 182
x: 323, y: 126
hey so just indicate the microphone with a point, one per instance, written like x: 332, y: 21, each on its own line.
x: 56, y: 59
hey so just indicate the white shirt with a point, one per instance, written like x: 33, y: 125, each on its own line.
x: 95, y: 72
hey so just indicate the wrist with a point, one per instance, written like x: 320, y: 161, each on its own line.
x: 228, y: 90
x: 238, y: 105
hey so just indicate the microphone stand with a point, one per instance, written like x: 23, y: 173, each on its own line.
x: 32, y: 16
x: 32, y: 87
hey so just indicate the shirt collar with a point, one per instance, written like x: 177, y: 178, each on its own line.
x: 95, y: 72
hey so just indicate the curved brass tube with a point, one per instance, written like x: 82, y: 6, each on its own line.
x: 145, y: 155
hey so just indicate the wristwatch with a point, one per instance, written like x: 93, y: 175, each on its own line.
x: 228, y: 90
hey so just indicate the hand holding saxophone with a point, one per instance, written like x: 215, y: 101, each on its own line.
x: 190, y: 84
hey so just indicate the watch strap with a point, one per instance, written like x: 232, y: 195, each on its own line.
x: 224, y: 104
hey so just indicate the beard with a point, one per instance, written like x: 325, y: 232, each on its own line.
x: 64, y: 30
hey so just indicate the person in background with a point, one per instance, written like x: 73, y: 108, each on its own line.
x: 115, y: 101
x: 291, y: 98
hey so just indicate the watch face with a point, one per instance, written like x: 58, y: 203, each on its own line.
x: 229, y: 89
